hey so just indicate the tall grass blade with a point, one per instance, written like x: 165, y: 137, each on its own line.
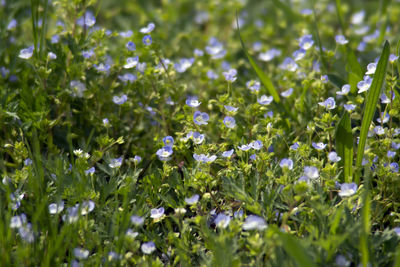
x: 370, y: 105
x: 340, y: 16
x: 344, y: 146
x: 296, y: 250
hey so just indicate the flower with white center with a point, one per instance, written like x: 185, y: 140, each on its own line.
x: 347, y: 190
x: 286, y: 164
x: 306, y: 41
x: 228, y: 153
x: 127, y: 77
x: 198, y: 138
x: 204, y: 158
x: 200, y: 118
x: 156, y: 213
x: 332, y: 156
x: 340, y: 39
x: 385, y: 99
x: 391, y: 154
x: 244, y: 147
x: 257, y: 145
x: 230, y: 75
x: 168, y: 141
x: 78, y: 88
x: 72, y: 215
x: 215, y: 49
x: 289, y: 64
x: 51, y: 55
x: 55, y: 208
x: 222, y: 220
x: 229, y: 122
x: 192, y: 200
x: 193, y: 102
x: 265, y: 100
x: 371, y: 68
x: 18, y: 221
x: 148, y: 247
x: 287, y: 93
x: 183, y: 64
x: 254, y: 86
x: 253, y: 222
x: 137, y: 220
x: 230, y: 109
x: 295, y: 146
x: 119, y: 100
x: 393, y: 58
x: 299, y: 54
x: 358, y: 17
x: 379, y: 130
x: 81, y: 253
x: 394, y: 167
x: 328, y: 103
x: 86, y: 207
x: 131, y: 234
x: 26, y: 233
x: 131, y: 62
x: 349, y: 107
x: 269, y: 55
x: 164, y: 153
x: 395, y: 145
x: 26, y: 53
x: 364, y: 85
x: 345, y: 90
x: 319, y: 146
x: 311, y: 172
x: 115, y: 163
x: 148, y: 29
x: 385, y: 118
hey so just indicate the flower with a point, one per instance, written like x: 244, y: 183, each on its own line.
x: 385, y: 118
x: 395, y: 145
x: 244, y: 147
x: 222, y: 220
x: 328, y: 103
x: 269, y: 55
x: 192, y: 200
x: 131, y: 62
x: 215, y: 49
x: 130, y: 46
x: 391, y: 154
x: 349, y: 107
x: 18, y: 221
x: 28, y: 162
x: 371, y: 68
x: 332, y: 156
x: 299, y: 54
x: 168, y: 141
x: 164, y: 153
x: 379, y: 130
x: 198, y: 138
x: 311, y: 172
x: 318, y: 146
x: 183, y: 64
x: 306, y: 41
x: 289, y: 64
x: 102, y: 67
x: 364, y: 84
x: 147, y: 40
x: 55, y: 208
x: 257, y: 145
x: 212, y: 75
x: 198, y: 52
x: 127, y: 77
x: 157, y: 213
x: 86, y: 207
x: 347, y: 190
x: 295, y: 146
x: 204, y: 158
x: 229, y: 122
x: 393, y: 58
x: 26, y: 53
x: 77, y: 87
x: 81, y: 253
x: 87, y: 19
x: 230, y: 75
x: 119, y: 100
x: 131, y: 234
x: 137, y: 220
x: 148, y: 29
x: 193, y: 102
x: 254, y: 86
x: 126, y: 34
x: 345, y: 90
x: 253, y: 222
x: 286, y: 163
x: 228, y: 153
x: 26, y: 233
x: 200, y: 118
x: 341, y: 39
x: 148, y: 247
x: 287, y: 93
x: 230, y: 108
x: 51, y: 55
x: 265, y: 100
x: 115, y: 163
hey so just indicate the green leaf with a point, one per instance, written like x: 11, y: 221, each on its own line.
x: 340, y: 16
x: 336, y: 80
x: 353, y: 64
x: 291, y: 15
x: 296, y: 250
x: 370, y: 104
x: 344, y: 145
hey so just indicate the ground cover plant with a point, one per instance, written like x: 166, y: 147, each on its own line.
x: 199, y: 133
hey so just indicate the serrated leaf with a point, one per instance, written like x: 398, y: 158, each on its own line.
x: 344, y: 145
x: 370, y: 104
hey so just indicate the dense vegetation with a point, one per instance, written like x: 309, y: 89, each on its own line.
x: 196, y: 133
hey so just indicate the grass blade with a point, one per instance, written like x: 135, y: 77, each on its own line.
x: 291, y: 15
x: 344, y: 145
x: 296, y: 250
x: 340, y: 17
x: 370, y: 105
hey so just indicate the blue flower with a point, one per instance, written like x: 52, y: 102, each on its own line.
x: 147, y: 40
x: 371, y: 68
x: 26, y: 53
x: 379, y: 130
x: 287, y: 93
x: 164, y: 153
x: 156, y: 213
x: 148, y: 247
x: 299, y: 54
x: 230, y: 75
x: 319, y: 146
x: 254, y: 86
x: 332, y: 156
x: 289, y: 64
x: 393, y: 58
x: 265, y: 100
x: 244, y: 147
x: 102, y: 67
x: 131, y: 62
x: 269, y: 55
x: 168, y: 141
x: 28, y: 162
x: 253, y: 157
x: 253, y: 222
x: 204, y: 158
x: 286, y: 163
x: 200, y: 118
x: 328, y: 103
x: 394, y: 167
x: 115, y: 163
x: 340, y: 39
x: 347, y: 190
x: 126, y: 34
x: 364, y: 84
x: 345, y: 90
x: 198, y: 138
x: 395, y: 145
x: 127, y: 77
x: 228, y: 153
x: 222, y: 220
x: 88, y: 19
x: 215, y: 49
x: 295, y: 146
x: 198, y: 52
x: 212, y: 75
x: 88, y: 53
x: 391, y: 154
x: 137, y: 220
x: 106, y: 122
x: 90, y: 170
x: 229, y: 122
x: 192, y: 200
x: 257, y: 145
x: 183, y: 64
x: 193, y: 102
x: 231, y: 109
x: 148, y: 29
x: 119, y: 100
x: 311, y: 172
x: 306, y: 42
x: 13, y: 23
x: 137, y: 159
x: 349, y: 107
x: 130, y: 46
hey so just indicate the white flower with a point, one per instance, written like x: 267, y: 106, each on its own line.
x: 311, y: 172
x: 148, y: 247
x: 254, y: 222
x: 18, y: 221
x: 131, y: 62
x: 222, y: 220
x: 148, y: 29
x: 265, y: 100
x: 340, y: 39
x: 115, y: 163
x: 86, y: 207
x: 371, y: 68
x: 157, y: 213
x: 26, y: 53
x: 345, y: 90
x: 347, y: 189
x: 137, y: 220
x: 55, y: 208
x: 81, y: 253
